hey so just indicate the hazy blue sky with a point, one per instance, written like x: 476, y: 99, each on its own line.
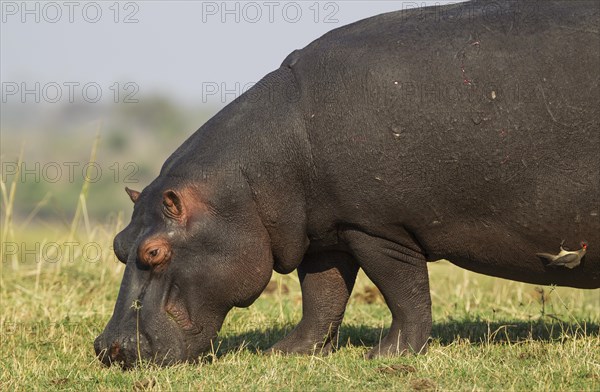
x: 172, y: 47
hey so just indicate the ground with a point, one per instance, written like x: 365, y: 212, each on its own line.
x: 488, y: 334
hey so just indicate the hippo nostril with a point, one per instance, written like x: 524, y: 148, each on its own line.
x: 115, y: 351
x: 124, y: 351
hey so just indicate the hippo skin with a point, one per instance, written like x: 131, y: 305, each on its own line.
x: 468, y: 132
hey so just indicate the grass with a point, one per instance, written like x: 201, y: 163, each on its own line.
x: 488, y: 333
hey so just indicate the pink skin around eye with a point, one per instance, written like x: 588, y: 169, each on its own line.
x: 154, y: 251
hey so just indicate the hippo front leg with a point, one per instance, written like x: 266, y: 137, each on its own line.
x: 400, y: 274
x: 326, y: 280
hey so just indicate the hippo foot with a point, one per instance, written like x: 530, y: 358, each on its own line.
x: 326, y: 280
x: 395, y: 344
x: 390, y: 350
x: 298, y: 343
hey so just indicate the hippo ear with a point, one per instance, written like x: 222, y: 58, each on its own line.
x: 183, y: 204
x: 173, y: 207
x: 133, y: 195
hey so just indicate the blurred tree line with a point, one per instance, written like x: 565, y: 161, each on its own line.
x: 135, y: 139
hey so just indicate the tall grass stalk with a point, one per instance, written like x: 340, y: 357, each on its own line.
x: 81, y: 203
x: 8, y: 200
x: 41, y: 204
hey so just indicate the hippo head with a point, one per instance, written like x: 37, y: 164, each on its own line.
x: 191, y: 254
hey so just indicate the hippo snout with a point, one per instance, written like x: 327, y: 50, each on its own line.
x: 124, y: 351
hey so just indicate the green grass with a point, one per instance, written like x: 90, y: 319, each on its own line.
x: 488, y: 333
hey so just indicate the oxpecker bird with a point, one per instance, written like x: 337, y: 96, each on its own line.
x: 565, y: 258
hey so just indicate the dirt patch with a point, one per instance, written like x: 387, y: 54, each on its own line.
x: 397, y: 369
x: 422, y: 384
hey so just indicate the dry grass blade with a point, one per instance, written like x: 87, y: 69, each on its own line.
x: 41, y: 204
x: 80, y: 209
x: 8, y: 198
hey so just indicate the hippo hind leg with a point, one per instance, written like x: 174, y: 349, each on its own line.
x: 401, y: 275
x: 326, y: 280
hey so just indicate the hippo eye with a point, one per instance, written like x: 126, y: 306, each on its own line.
x: 154, y: 252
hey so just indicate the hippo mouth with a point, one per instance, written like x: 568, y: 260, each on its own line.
x: 177, y: 312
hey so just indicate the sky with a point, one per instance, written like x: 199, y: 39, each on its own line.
x: 190, y: 51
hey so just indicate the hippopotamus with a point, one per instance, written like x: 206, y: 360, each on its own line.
x: 468, y: 132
